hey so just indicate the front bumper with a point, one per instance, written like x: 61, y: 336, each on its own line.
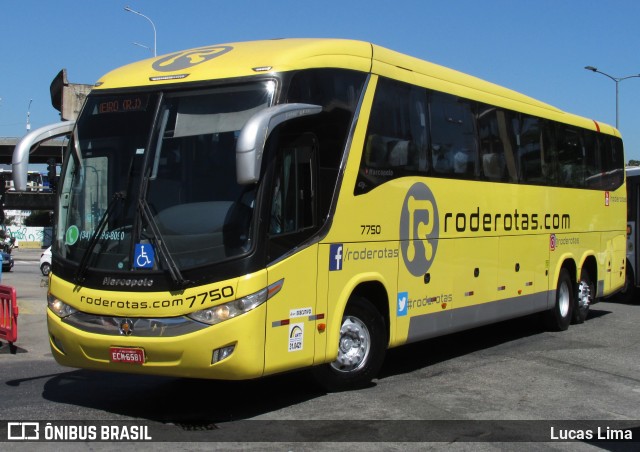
x: 186, y: 355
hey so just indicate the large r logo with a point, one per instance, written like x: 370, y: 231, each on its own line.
x: 189, y: 58
x: 419, y: 229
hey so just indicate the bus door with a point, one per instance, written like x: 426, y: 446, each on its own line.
x: 633, y: 220
x: 292, y: 312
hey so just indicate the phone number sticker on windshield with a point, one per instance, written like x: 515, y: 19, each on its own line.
x: 72, y: 235
x: 106, y: 235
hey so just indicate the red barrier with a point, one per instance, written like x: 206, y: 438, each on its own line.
x: 8, y: 315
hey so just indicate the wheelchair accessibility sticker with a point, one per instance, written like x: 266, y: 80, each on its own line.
x: 144, y: 256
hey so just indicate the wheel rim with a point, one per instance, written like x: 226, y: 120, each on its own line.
x: 564, y: 300
x: 584, y: 295
x: 354, y: 345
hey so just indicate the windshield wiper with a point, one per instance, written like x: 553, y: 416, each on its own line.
x: 84, y: 262
x: 171, y: 265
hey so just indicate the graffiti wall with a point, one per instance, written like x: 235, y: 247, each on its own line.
x: 31, y: 234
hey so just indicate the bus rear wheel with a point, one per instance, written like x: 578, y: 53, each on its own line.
x: 361, y: 349
x: 559, y: 317
x: 584, y: 297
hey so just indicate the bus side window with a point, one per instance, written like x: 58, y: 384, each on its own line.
x: 593, y: 162
x: 612, y: 162
x: 530, y: 149
x: 453, y: 136
x: 419, y: 131
x: 496, y: 145
x: 396, y: 141
x: 570, y: 158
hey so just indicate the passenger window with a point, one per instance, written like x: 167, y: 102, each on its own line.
x: 593, y: 162
x: 497, y: 145
x: 416, y: 131
x: 571, y: 162
x: 453, y: 136
x: 536, y: 156
x: 396, y: 142
x: 612, y: 162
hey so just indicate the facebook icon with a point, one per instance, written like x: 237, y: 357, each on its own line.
x: 335, y: 257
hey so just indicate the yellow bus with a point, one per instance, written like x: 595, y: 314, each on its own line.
x: 241, y: 210
x: 629, y: 293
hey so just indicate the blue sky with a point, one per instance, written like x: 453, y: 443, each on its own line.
x: 536, y: 47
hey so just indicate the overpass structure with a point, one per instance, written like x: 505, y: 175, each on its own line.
x: 68, y: 99
x: 43, y: 154
x: 52, y: 149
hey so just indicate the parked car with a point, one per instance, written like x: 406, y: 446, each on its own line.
x: 7, y: 262
x: 45, y: 262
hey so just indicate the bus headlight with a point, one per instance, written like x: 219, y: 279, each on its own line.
x: 222, y: 312
x: 60, y: 308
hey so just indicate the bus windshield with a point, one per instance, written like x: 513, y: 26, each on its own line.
x: 158, y: 170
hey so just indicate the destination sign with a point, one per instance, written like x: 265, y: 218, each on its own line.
x: 121, y: 104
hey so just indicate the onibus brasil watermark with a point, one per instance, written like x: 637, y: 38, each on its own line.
x: 48, y: 431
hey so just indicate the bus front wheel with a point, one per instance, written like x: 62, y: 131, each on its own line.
x: 559, y: 317
x: 361, y: 349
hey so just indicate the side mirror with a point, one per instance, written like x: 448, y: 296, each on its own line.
x: 20, y: 159
x: 254, y: 134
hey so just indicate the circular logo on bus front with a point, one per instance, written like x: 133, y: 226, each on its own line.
x: 72, y: 235
x: 189, y: 58
x: 419, y: 228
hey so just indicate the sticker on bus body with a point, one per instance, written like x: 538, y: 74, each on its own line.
x: 403, y: 303
x: 335, y: 257
x: 144, y: 256
x: 72, y: 235
x: 300, y: 312
x: 296, y: 336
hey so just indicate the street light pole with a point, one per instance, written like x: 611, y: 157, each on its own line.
x: 29, y: 116
x: 617, y: 80
x: 126, y: 8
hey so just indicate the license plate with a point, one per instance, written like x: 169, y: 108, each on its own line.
x: 127, y: 355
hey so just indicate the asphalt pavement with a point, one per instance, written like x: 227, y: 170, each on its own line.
x: 27, y: 254
x: 31, y: 292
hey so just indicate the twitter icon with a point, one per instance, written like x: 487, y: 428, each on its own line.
x: 403, y: 303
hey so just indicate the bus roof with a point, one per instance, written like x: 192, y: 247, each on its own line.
x: 241, y: 59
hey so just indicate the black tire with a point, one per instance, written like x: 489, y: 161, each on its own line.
x: 559, y: 317
x: 45, y: 269
x: 362, y: 346
x: 585, y: 297
x: 629, y: 291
